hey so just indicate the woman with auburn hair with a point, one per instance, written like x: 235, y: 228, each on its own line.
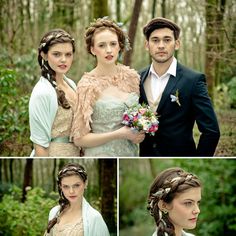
x: 104, y: 94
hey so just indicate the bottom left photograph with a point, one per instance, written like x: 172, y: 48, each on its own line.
x: 76, y: 197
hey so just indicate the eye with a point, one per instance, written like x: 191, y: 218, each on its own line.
x: 69, y: 54
x: 101, y: 45
x: 76, y: 185
x: 188, y: 204
x: 113, y: 43
x: 56, y: 54
x: 65, y: 187
x: 167, y: 40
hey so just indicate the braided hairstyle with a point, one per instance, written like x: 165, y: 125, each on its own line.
x: 49, y: 39
x: 68, y: 170
x: 101, y: 24
x: 166, y: 186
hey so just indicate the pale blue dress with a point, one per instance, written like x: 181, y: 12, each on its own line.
x: 98, y: 112
x: 107, y: 116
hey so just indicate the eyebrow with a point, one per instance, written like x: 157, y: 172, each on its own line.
x: 188, y: 199
x: 72, y: 184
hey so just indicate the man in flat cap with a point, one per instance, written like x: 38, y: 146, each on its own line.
x: 178, y: 95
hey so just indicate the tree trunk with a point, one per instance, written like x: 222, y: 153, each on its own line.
x: 132, y: 30
x: 163, y: 8
x: 100, y: 8
x: 54, y: 174
x: 108, y: 170
x: 210, y: 63
x: 118, y: 15
x: 28, y: 177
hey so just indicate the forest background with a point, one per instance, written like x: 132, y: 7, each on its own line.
x: 218, y: 203
x: 28, y: 190
x: 208, y: 42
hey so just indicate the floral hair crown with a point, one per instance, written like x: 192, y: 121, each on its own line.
x: 53, y: 36
x: 160, y: 192
x: 120, y: 25
x: 71, y: 168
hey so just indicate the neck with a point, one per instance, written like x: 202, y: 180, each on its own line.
x: 59, y: 79
x: 104, y: 69
x: 161, y: 68
x: 178, y: 231
x: 76, y: 206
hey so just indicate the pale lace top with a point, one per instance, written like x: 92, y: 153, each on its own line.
x: 89, y: 89
x: 62, y: 128
x: 69, y: 229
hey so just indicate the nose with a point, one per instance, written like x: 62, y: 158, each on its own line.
x: 196, y: 210
x: 63, y: 58
x: 108, y: 48
x: 161, y: 44
x: 71, y: 189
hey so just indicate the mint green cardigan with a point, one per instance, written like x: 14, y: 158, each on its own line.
x: 43, y: 107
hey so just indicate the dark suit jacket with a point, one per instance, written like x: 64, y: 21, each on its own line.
x: 175, y: 134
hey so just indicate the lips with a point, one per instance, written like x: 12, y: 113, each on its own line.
x: 62, y: 66
x: 109, y: 57
x: 161, y: 53
x: 72, y: 197
x: 193, y: 220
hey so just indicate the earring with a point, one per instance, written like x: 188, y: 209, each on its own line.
x: 42, y: 62
x: 165, y: 211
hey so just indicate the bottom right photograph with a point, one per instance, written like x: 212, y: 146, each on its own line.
x: 177, y: 197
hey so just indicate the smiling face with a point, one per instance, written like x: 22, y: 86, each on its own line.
x: 105, y: 47
x: 162, y: 45
x: 183, y: 211
x: 73, y: 188
x: 59, y: 57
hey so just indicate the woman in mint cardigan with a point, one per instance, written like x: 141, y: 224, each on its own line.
x: 53, y: 98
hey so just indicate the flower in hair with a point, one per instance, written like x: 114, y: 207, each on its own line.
x: 161, y: 192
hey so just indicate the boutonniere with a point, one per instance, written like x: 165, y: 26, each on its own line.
x: 175, y: 97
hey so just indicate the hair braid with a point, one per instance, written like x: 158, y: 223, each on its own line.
x: 165, y: 187
x: 68, y: 170
x: 53, y: 37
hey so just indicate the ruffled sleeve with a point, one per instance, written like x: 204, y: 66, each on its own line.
x: 88, y: 90
x: 87, y: 93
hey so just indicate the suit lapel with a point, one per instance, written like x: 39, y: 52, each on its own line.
x: 142, y: 90
x: 169, y: 88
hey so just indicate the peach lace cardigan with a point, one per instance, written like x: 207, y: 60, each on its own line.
x: 88, y: 90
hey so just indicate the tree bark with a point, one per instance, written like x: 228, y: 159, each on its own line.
x: 108, y: 170
x: 132, y: 30
x: 100, y: 8
x: 28, y: 178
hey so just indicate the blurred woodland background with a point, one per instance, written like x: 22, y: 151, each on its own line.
x: 218, y: 204
x: 208, y: 42
x: 28, y: 190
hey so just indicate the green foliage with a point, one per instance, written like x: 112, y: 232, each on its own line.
x: 232, y: 92
x: 24, y: 219
x: 14, y: 126
x: 218, y: 211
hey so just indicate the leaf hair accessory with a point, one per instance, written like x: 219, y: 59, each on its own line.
x: 175, y: 97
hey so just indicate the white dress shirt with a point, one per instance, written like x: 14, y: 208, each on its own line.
x: 158, y: 83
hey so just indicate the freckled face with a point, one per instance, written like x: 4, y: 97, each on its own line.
x: 183, y: 211
x: 60, y: 57
x: 106, y: 47
x: 73, y: 188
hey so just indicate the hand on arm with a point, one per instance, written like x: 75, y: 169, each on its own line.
x: 41, y: 151
x: 93, y: 139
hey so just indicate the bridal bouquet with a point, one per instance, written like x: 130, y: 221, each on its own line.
x: 141, y: 118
